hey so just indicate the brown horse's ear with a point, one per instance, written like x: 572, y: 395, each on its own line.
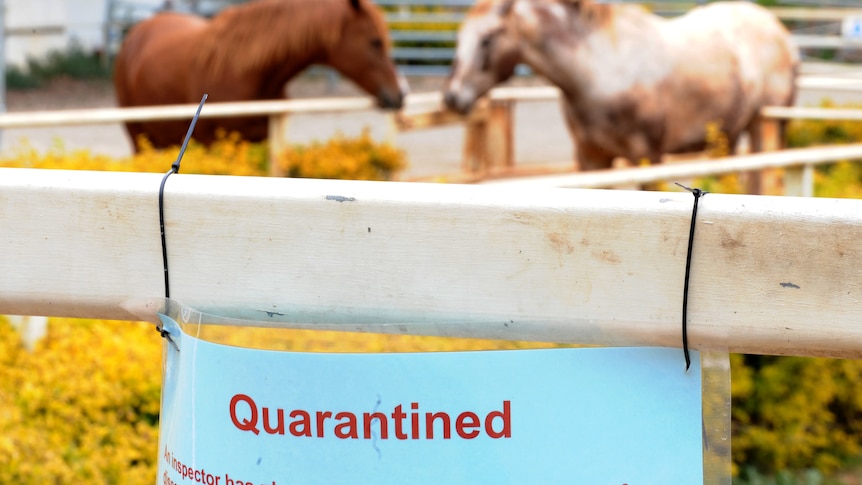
x: 355, y: 5
x: 504, y: 7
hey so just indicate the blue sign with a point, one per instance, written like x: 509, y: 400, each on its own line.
x: 237, y: 416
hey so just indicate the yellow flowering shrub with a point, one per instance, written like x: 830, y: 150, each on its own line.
x: 805, y: 133
x: 229, y: 155
x: 793, y: 413
x: 360, y: 158
x: 348, y: 342
x: 83, y: 406
x: 343, y: 158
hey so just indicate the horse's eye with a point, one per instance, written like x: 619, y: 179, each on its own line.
x: 377, y: 44
x: 486, y: 41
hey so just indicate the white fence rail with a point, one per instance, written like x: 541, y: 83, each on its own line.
x: 798, y: 165
x: 771, y: 275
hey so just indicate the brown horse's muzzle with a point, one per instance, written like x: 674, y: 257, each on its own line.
x: 388, y: 98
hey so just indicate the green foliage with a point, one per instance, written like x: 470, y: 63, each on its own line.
x: 807, y: 477
x: 798, y: 420
x: 793, y: 413
x: 804, y: 133
x: 842, y: 179
x: 74, y: 62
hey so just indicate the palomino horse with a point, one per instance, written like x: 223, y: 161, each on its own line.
x: 485, y: 56
x: 249, y: 52
x: 638, y: 86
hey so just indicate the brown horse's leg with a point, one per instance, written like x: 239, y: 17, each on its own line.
x: 589, y: 156
x: 134, y: 131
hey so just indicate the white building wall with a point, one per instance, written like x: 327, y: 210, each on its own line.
x: 36, y: 27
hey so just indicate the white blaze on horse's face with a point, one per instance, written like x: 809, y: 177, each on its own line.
x: 485, y: 56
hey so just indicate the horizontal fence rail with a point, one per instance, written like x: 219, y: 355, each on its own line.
x: 490, y: 131
x: 770, y: 275
x: 418, y: 101
x: 34, y: 119
x: 787, y: 159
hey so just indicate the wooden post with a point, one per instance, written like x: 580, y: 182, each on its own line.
x: 474, y: 158
x: 475, y: 154
x: 764, y: 180
x: 277, y: 142
x: 499, y: 135
x: 770, y: 133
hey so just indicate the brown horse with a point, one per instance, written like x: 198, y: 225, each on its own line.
x: 249, y: 52
x: 639, y: 86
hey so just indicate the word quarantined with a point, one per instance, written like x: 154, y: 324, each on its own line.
x: 246, y: 415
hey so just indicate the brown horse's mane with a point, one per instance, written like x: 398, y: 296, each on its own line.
x: 253, y: 35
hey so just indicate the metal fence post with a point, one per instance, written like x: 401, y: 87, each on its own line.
x: 799, y: 180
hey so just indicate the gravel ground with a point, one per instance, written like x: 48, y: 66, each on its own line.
x: 541, y: 136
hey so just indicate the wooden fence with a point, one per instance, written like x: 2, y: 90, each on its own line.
x: 490, y: 131
x: 277, y: 111
x: 797, y: 164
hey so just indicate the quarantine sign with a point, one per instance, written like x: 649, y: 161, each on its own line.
x: 236, y: 416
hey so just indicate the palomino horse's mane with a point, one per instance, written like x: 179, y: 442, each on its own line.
x: 592, y: 13
x: 482, y: 7
x: 256, y: 34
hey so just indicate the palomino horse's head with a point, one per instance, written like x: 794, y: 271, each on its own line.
x: 486, y: 55
x: 363, y: 55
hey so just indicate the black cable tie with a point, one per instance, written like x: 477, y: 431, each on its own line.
x: 166, y: 335
x: 697, y: 195
x: 175, y: 168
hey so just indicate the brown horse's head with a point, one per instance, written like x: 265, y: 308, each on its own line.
x: 362, y: 53
x: 486, y: 55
